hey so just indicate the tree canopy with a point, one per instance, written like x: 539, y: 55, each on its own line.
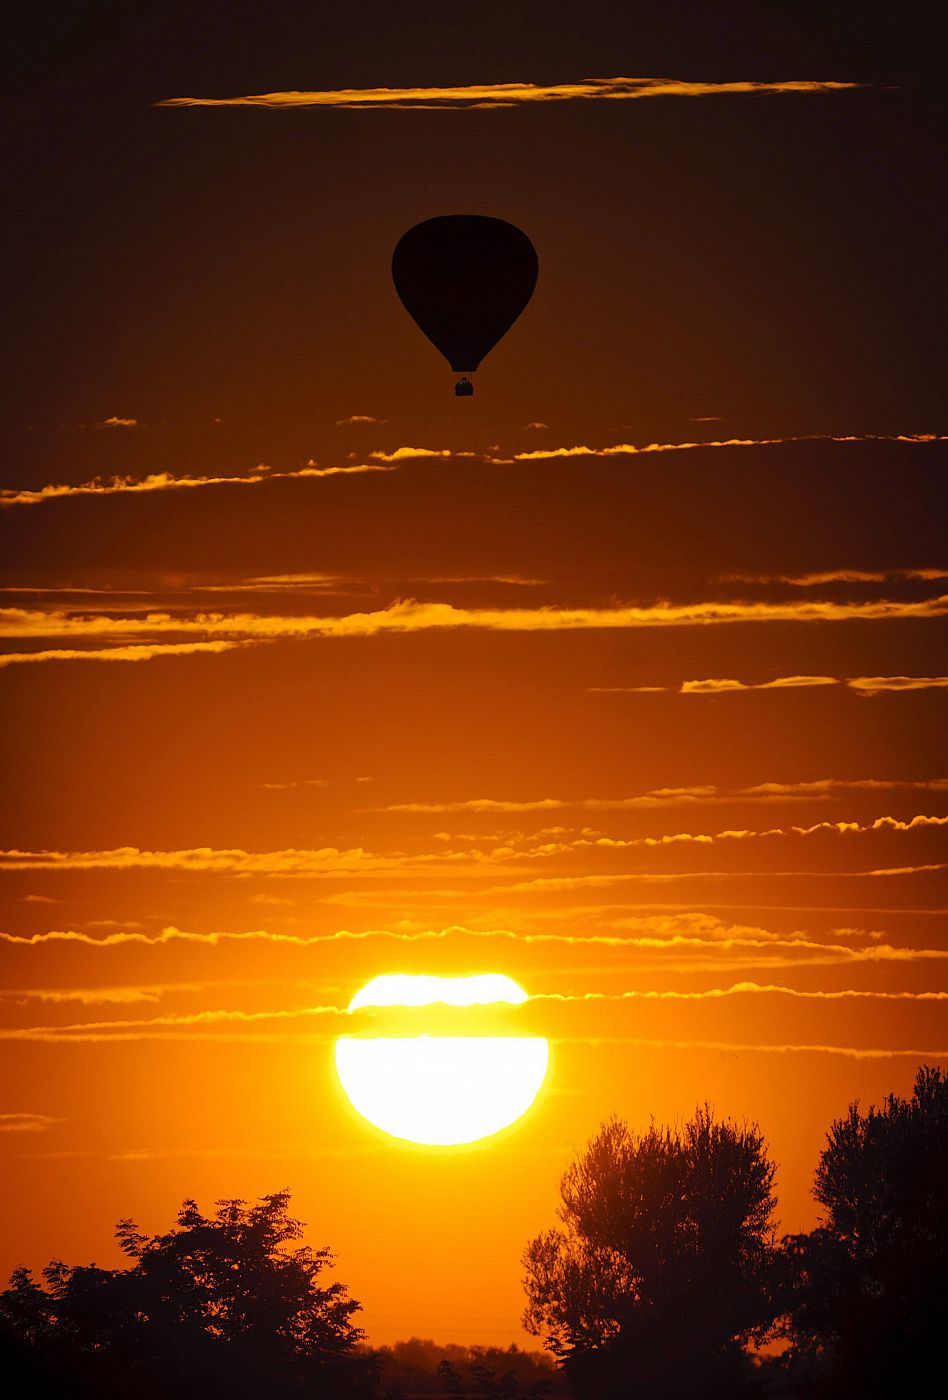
x: 230, y: 1304
x: 663, y: 1267
x: 871, y: 1298
x: 420, y: 1367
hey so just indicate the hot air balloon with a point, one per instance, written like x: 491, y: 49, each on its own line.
x: 464, y: 279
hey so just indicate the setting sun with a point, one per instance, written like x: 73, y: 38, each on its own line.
x: 441, y: 1090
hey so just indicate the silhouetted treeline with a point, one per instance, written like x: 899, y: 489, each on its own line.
x: 419, y: 1366
x: 228, y: 1306
x: 664, y: 1281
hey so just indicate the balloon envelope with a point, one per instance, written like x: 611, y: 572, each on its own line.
x: 464, y: 279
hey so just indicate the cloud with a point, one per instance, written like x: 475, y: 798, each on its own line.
x: 141, y: 652
x: 118, y: 423
x: 296, y: 783
x: 715, y: 687
x: 112, y: 923
x: 172, y: 935
x: 329, y: 861
x: 26, y: 1122
x: 92, y: 996
x: 535, y: 427
x: 185, y: 1024
x: 402, y: 454
x: 492, y: 95
x: 411, y: 616
x: 277, y: 583
x: 386, y: 460
x: 167, y: 481
x: 554, y: 884
x: 880, y: 824
x: 816, y: 580
x: 146, y: 1027
x: 355, y: 418
x: 58, y: 1035
x: 875, y: 685
x: 239, y: 1025
x: 514, y: 580
x: 842, y: 828
x: 864, y: 685
x: 677, y: 941
x: 627, y: 449
x: 818, y: 788
x: 725, y: 1047
x: 737, y: 990
x: 832, y: 786
x: 331, y: 583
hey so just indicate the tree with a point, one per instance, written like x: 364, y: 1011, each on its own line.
x: 663, y: 1269
x: 447, y: 1374
x: 420, y: 1367
x: 871, y: 1297
x: 229, y: 1305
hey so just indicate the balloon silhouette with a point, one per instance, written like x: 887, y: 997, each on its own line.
x: 464, y: 279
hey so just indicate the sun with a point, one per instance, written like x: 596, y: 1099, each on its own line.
x: 441, y: 1090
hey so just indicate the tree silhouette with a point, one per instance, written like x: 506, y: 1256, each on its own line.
x: 664, y: 1266
x: 420, y: 1367
x: 229, y: 1305
x: 447, y: 1374
x: 871, y: 1301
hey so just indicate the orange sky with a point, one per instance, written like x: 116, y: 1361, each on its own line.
x: 312, y: 672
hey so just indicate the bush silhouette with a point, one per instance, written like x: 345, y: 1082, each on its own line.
x: 224, y: 1306
x: 664, y: 1267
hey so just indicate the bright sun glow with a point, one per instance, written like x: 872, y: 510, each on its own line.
x: 441, y: 1090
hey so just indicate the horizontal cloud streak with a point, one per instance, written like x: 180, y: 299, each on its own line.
x: 199, y: 1024
x: 852, y: 1052
x: 716, y: 687
x: 413, y: 617
x: 874, y: 685
x: 147, y: 651
x: 841, y: 828
x: 332, y: 861
x: 818, y: 788
x: 737, y: 990
x: 389, y: 459
x: 26, y: 1122
x: 865, y: 685
x: 491, y: 95
x: 685, y: 941
x: 327, y: 861
x: 168, y: 1024
x: 51, y: 1036
x: 816, y: 580
x: 628, y: 449
x: 167, y: 481
x: 404, y: 454
x: 556, y: 883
